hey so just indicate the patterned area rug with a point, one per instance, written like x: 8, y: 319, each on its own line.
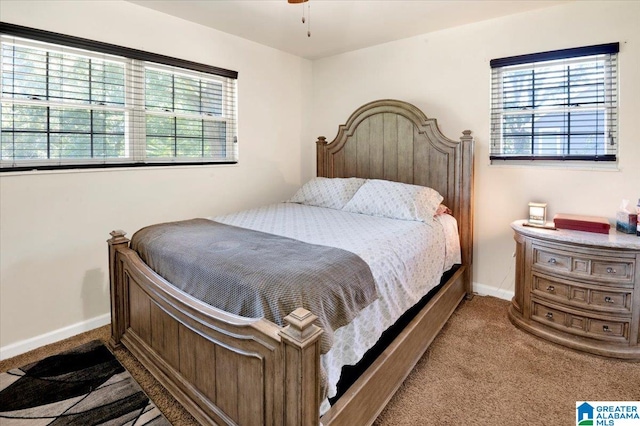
x: 83, y: 386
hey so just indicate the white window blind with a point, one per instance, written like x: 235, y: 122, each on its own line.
x: 559, y: 105
x: 60, y: 105
x: 186, y: 115
x: 65, y: 106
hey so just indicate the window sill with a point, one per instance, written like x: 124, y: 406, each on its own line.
x: 123, y: 168
x: 596, y: 166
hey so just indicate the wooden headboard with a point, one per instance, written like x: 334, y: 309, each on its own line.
x: 394, y: 140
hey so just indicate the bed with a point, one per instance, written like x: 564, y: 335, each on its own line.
x: 229, y: 369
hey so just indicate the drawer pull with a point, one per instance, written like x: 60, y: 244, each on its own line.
x: 551, y: 288
x: 611, y: 270
x: 552, y: 261
x: 550, y: 315
x: 608, y: 299
x: 606, y: 329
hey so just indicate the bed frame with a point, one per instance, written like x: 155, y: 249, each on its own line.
x: 230, y: 370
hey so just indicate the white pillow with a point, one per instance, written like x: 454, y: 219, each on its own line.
x: 332, y: 193
x: 395, y: 200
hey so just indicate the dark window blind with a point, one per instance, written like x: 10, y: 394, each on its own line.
x: 559, y: 105
x: 65, y: 107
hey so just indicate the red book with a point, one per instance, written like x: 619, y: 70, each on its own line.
x: 576, y: 222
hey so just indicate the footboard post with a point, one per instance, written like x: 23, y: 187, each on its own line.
x: 116, y: 284
x: 466, y: 209
x: 302, y: 369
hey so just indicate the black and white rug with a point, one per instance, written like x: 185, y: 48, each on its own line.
x: 83, y: 386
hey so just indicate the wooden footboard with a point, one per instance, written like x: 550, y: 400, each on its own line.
x: 223, y: 368
x: 231, y: 370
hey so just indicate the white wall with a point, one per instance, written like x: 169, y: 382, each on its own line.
x: 447, y: 75
x: 53, y: 226
x: 53, y: 270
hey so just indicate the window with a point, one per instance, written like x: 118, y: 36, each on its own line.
x: 184, y: 115
x: 559, y: 105
x: 69, y: 102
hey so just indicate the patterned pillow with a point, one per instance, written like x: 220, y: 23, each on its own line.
x: 332, y: 193
x: 395, y: 200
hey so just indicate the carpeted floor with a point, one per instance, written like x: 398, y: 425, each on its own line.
x: 480, y: 370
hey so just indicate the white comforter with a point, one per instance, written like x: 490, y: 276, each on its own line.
x: 406, y: 258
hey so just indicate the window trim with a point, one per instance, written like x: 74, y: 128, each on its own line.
x: 552, y: 55
x: 124, y: 164
x: 530, y: 59
x: 135, y: 159
x: 111, y: 49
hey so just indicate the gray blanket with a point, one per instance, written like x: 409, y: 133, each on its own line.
x: 255, y: 274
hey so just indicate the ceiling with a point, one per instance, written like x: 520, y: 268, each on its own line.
x: 337, y: 26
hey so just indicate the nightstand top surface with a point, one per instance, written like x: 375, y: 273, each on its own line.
x: 613, y: 239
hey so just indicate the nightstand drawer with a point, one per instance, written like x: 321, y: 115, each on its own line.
x: 546, y: 315
x: 551, y: 289
x: 551, y: 260
x: 583, y: 266
x: 616, y: 271
x: 584, y: 296
x: 611, y: 300
x: 609, y: 329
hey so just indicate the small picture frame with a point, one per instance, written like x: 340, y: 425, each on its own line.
x: 537, y: 214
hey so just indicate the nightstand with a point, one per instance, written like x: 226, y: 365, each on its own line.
x: 579, y: 289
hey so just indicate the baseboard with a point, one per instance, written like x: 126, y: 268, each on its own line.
x: 23, y: 346
x: 485, y: 290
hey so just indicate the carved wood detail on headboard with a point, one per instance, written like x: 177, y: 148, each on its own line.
x: 394, y: 140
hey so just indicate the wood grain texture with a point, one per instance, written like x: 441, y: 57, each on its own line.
x: 227, y: 381
x: 225, y: 369
x: 140, y: 313
x: 229, y: 370
x: 164, y: 336
x: 518, y: 299
x: 117, y: 286
x: 413, y: 151
x: 250, y: 398
x: 302, y: 351
x: 583, y: 296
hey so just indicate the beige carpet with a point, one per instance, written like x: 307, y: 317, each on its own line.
x: 480, y: 370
